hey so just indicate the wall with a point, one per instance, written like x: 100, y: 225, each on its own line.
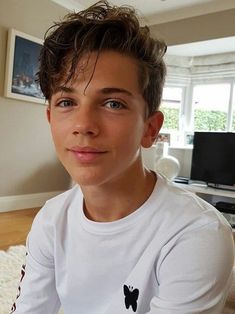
x: 27, y: 159
x: 204, y: 27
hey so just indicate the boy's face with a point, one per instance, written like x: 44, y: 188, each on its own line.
x: 98, y: 121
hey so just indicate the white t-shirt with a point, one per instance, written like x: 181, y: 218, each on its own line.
x: 174, y: 254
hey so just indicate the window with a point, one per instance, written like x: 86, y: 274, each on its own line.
x: 211, y: 107
x: 199, y: 95
x: 171, y: 108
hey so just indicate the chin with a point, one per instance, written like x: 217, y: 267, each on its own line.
x: 88, y: 180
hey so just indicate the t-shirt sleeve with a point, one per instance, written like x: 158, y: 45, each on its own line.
x: 37, y: 290
x: 195, y: 273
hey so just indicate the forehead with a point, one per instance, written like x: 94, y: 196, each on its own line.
x: 105, y: 58
x: 108, y: 68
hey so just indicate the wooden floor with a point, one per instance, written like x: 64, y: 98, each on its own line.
x: 14, y: 226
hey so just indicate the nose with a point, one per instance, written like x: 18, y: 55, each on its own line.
x: 86, y: 121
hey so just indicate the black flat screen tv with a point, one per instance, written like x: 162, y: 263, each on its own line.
x: 213, y: 159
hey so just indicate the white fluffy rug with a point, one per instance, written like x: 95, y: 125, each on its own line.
x: 10, y: 268
x: 11, y: 262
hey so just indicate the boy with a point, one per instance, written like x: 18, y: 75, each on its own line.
x: 122, y: 240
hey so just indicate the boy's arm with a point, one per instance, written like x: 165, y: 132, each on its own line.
x: 37, y: 290
x: 195, y: 274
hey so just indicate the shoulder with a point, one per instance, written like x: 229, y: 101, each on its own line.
x: 180, y: 215
x: 197, y: 245
x: 52, y: 217
x: 183, y: 206
x: 50, y: 224
x: 59, y: 205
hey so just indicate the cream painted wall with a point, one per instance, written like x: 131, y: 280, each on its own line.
x: 27, y: 160
x: 204, y: 27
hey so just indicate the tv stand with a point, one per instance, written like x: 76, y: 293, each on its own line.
x: 222, y: 187
x: 210, y: 194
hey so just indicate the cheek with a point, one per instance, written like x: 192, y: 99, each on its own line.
x: 58, y: 132
x: 130, y: 135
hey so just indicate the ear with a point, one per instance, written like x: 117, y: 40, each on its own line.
x: 48, y: 114
x: 153, y: 126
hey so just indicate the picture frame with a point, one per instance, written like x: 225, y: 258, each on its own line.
x: 188, y: 138
x: 164, y: 137
x: 21, y: 67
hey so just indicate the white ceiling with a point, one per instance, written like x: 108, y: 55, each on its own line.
x: 161, y: 11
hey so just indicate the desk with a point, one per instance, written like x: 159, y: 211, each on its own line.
x: 210, y: 193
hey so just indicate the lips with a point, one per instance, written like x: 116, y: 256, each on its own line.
x: 87, y: 154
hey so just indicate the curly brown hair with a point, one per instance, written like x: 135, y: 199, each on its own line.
x: 98, y: 28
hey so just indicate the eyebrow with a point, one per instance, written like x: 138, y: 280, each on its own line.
x: 105, y: 90
x: 111, y: 90
x: 63, y: 89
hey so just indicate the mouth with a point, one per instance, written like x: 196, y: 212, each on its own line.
x: 87, y: 154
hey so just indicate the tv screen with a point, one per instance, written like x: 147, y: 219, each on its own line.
x: 213, y: 158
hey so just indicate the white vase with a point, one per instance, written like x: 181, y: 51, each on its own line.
x: 161, y: 150
x: 168, y: 166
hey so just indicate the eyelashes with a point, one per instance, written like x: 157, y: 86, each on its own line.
x: 110, y: 104
x: 65, y: 103
x: 114, y: 104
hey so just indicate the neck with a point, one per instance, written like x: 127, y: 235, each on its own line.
x: 115, y: 201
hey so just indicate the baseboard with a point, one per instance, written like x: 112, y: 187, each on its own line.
x: 15, y: 202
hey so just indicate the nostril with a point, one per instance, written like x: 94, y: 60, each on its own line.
x: 85, y: 132
x: 90, y: 132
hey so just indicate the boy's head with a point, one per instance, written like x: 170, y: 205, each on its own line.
x: 99, y: 28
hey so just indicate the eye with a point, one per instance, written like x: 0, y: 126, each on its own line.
x: 65, y: 103
x: 114, y: 104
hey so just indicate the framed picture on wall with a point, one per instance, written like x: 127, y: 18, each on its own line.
x: 21, y: 67
x: 188, y: 138
x: 164, y: 137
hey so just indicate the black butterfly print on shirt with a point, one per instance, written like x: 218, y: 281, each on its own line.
x: 131, y: 297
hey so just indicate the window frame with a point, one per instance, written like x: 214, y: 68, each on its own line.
x: 186, y: 123
x: 181, y: 109
x: 215, y: 82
